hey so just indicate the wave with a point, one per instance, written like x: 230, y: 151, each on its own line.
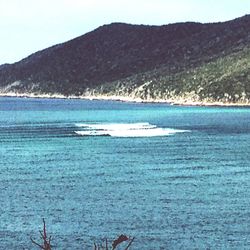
x: 125, y: 130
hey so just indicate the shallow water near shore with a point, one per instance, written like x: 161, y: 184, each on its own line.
x: 173, y: 177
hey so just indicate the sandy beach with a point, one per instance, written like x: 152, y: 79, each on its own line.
x: 172, y: 101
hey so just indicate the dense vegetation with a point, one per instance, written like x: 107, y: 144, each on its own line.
x: 189, y: 61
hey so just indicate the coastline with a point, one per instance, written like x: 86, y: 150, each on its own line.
x: 173, y: 101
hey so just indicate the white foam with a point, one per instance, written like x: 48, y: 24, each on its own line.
x: 125, y: 130
x: 92, y: 133
x: 116, y: 126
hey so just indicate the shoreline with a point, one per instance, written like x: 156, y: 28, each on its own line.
x: 176, y: 102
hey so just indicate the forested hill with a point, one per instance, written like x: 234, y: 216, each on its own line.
x: 193, y: 61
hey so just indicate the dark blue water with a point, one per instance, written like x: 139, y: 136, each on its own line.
x: 187, y: 190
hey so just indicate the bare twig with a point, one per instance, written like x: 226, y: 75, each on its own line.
x: 46, y: 241
x: 129, y: 244
x: 35, y: 243
x: 107, y: 248
x: 103, y: 246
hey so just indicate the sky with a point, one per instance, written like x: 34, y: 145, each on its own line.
x: 27, y: 26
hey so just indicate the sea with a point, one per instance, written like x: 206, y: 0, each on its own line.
x: 173, y: 177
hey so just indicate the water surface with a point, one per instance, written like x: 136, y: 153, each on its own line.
x: 188, y: 189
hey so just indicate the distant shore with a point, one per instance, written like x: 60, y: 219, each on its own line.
x: 177, y: 101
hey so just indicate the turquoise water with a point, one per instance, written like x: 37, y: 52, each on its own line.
x: 185, y: 190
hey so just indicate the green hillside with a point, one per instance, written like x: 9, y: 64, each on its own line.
x: 183, y: 62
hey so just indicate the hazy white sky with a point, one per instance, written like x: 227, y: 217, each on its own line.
x: 30, y: 25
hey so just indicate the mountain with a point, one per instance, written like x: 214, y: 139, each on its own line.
x: 176, y: 62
